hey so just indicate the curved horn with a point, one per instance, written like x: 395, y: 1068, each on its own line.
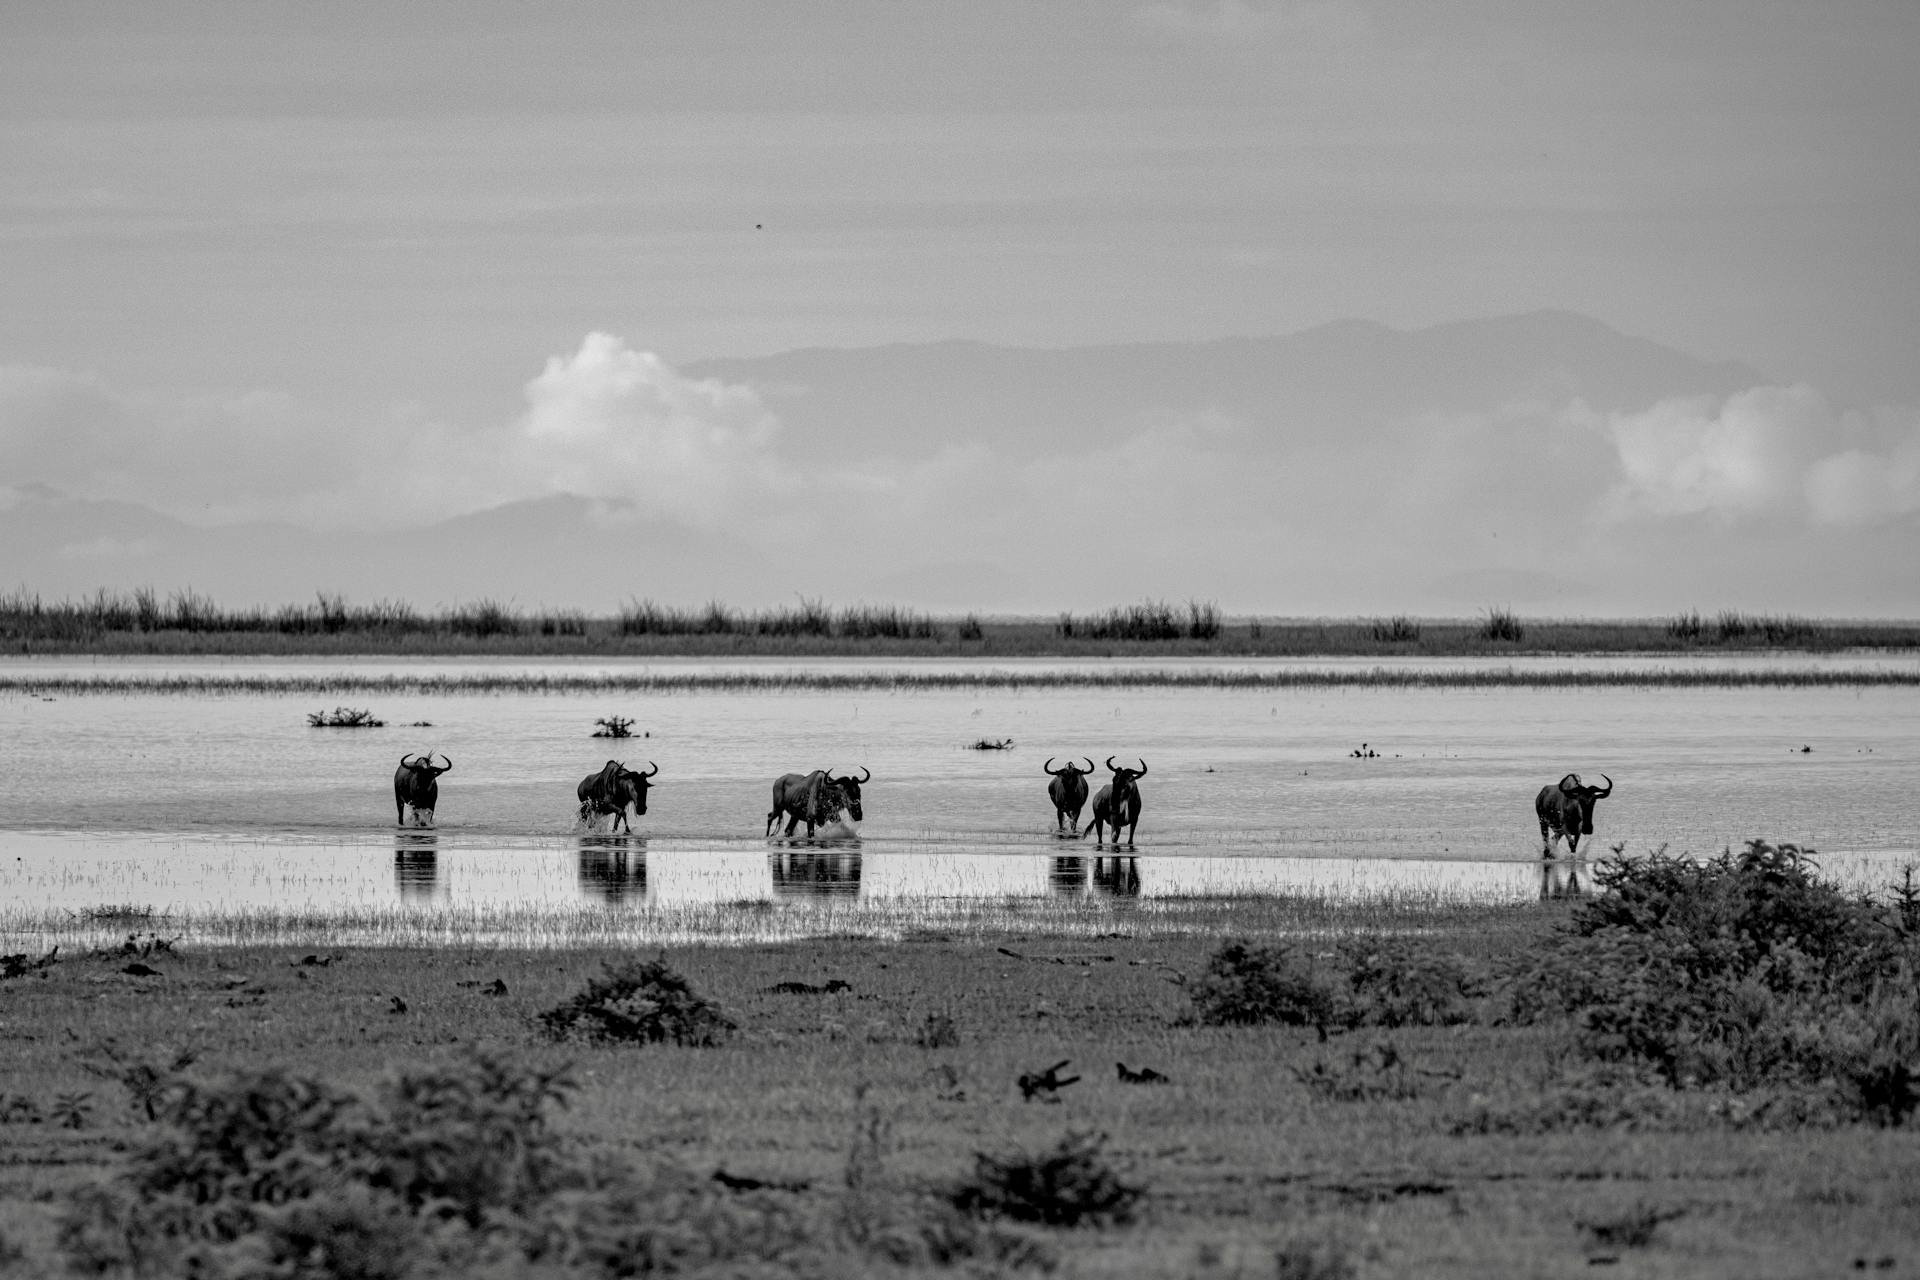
x: 1597, y: 793
x: 866, y: 775
x: 1048, y: 768
x: 1143, y: 766
x: 1089, y: 768
x: 652, y: 769
x: 443, y: 768
x: 1109, y: 762
x: 406, y: 763
x: 1571, y: 782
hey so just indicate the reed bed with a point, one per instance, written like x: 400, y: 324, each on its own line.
x: 1148, y: 620
x: 178, y: 684
x: 146, y: 622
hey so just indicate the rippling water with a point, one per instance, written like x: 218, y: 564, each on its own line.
x: 198, y: 801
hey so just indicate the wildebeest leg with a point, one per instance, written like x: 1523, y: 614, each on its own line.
x: 1573, y: 844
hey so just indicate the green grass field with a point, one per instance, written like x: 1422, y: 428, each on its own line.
x: 1480, y: 1148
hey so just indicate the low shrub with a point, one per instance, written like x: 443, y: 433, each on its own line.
x: 1246, y: 985
x: 1392, y: 983
x: 1067, y: 1186
x: 1743, y: 971
x: 446, y: 1171
x: 639, y: 1001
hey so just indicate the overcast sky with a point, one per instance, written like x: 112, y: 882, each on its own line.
x: 254, y: 254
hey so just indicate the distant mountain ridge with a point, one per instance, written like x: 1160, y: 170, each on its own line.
x: 1333, y: 405
x: 1303, y: 389
x: 557, y: 551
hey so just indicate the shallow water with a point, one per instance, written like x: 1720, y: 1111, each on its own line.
x: 191, y: 802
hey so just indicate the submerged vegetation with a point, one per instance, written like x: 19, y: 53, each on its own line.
x: 345, y: 718
x: 145, y: 622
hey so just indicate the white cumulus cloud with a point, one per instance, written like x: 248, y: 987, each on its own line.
x: 613, y: 422
x: 1765, y: 452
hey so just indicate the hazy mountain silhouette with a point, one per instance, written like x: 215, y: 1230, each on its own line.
x: 558, y: 550
x: 1305, y: 390
x: 1351, y: 462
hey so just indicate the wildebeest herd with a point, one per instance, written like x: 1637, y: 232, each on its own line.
x: 819, y: 798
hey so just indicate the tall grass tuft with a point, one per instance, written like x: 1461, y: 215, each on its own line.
x: 483, y: 618
x: 1399, y: 629
x: 1148, y: 620
x: 869, y: 622
x: 1686, y: 627
x: 1502, y: 625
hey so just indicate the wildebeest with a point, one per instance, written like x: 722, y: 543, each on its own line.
x: 612, y: 789
x: 1567, y: 809
x: 1068, y: 791
x: 1118, y: 803
x: 813, y: 798
x: 415, y: 784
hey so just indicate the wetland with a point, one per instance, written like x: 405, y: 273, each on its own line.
x: 207, y: 901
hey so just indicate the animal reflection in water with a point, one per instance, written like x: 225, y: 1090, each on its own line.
x: 416, y: 866
x: 828, y: 873
x: 1117, y: 877
x: 613, y: 870
x: 1561, y: 879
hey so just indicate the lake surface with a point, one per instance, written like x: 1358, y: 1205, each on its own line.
x: 230, y: 803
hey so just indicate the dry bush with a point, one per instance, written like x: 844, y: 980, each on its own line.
x: 639, y: 1002
x: 1069, y: 1185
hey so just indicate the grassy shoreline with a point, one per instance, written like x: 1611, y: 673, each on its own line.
x: 142, y: 624
x: 1471, y: 1149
